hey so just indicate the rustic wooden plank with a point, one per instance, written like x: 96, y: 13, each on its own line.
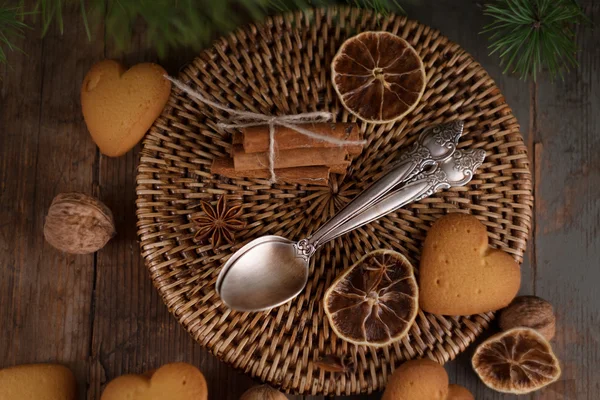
x: 568, y: 216
x: 44, y: 150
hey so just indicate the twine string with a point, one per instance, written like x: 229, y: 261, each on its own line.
x: 244, y: 119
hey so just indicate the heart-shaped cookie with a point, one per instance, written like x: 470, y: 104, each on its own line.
x: 119, y: 105
x: 422, y: 379
x: 417, y: 379
x: 460, y: 274
x: 457, y: 392
x: 177, y: 381
x: 37, y: 381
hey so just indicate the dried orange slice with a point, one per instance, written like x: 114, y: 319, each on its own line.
x: 375, y: 301
x: 517, y: 361
x: 378, y: 76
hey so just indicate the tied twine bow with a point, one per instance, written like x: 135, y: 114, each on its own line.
x: 244, y: 119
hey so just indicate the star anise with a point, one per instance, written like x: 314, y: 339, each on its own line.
x: 219, y: 222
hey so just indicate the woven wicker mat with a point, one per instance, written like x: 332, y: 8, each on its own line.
x: 283, y: 67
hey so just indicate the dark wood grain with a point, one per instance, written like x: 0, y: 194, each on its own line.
x: 100, y: 314
x: 567, y: 235
x: 44, y: 150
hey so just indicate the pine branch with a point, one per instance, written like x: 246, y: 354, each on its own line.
x: 183, y: 23
x: 169, y: 23
x: 530, y: 35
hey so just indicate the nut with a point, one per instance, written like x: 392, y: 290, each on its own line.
x: 263, y: 392
x: 78, y: 224
x: 529, y: 312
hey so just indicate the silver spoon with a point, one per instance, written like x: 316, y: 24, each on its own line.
x: 434, y: 144
x: 272, y: 270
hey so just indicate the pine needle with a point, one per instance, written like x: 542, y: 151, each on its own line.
x: 532, y: 35
x: 380, y: 6
x: 11, y: 28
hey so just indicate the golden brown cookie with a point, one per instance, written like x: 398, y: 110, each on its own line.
x: 460, y: 274
x: 36, y: 382
x: 417, y: 379
x: 457, y: 392
x: 120, y: 105
x: 177, y: 381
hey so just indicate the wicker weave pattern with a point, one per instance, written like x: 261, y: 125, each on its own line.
x: 283, y: 67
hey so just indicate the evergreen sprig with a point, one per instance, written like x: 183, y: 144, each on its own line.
x: 168, y: 23
x: 11, y: 27
x: 530, y: 35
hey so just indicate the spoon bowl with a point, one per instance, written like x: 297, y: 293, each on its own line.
x: 270, y: 273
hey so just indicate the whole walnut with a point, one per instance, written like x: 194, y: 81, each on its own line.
x: 529, y: 312
x: 263, y: 392
x: 78, y: 224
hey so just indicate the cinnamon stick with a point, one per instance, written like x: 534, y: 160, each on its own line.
x: 238, y: 138
x: 256, y: 138
x: 315, y: 175
x: 339, y: 168
x: 288, y: 158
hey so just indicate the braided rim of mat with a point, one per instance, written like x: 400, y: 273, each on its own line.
x: 283, y: 67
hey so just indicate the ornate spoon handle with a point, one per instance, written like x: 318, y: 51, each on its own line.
x: 434, y: 144
x: 456, y: 171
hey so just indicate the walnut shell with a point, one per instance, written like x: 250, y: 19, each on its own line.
x: 529, y: 312
x: 78, y: 224
x: 263, y: 392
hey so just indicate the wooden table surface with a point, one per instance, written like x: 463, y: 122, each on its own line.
x: 100, y: 315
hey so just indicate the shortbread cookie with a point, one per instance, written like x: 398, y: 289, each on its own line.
x: 457, y: 392
x: 417, y: 379
x: 460, y: 274
x: 37, y: 382
x: 177, y: 381
x: 120, y: 105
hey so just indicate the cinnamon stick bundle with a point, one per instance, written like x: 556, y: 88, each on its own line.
x: 298, y: 158
x: 256, y: 139
x: 315, y: 175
